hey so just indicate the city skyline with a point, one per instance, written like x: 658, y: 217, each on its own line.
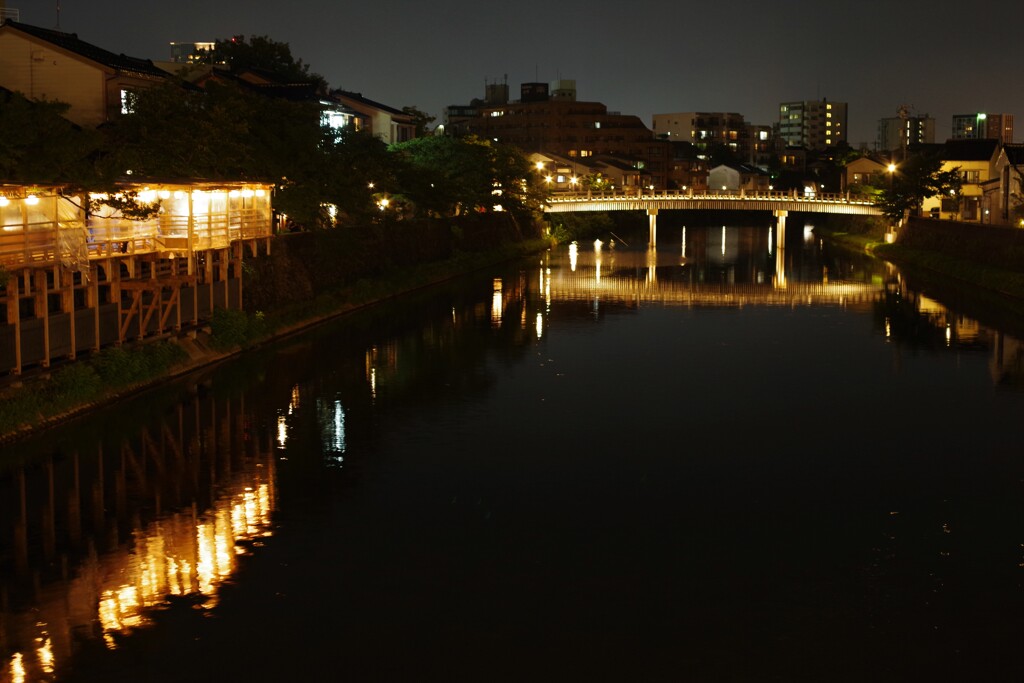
x: 644, y: 60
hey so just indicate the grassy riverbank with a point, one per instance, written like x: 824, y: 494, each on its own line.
x: 42, y: 399
x: 937, y: 258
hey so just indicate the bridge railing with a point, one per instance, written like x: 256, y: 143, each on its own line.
x: 690, y: 193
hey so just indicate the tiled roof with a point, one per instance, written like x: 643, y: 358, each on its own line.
x: 71, y: 43
x: 1014, y: 153
x: 358, y: 97
x: 969, y: 150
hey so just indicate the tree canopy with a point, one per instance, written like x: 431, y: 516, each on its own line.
x: 261, y: 54
x: 45, y: 147
x: 914, y: 180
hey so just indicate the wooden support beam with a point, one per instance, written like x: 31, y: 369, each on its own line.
x: 114, y: 275
x: 14, y: 316
x: 42, y: 310
x: 94, y: 301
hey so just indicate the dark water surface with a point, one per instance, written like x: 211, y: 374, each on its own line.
x: 714, y: 462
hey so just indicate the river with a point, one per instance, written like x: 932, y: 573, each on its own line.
x: 728, y: 459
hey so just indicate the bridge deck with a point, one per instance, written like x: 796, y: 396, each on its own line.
x: 715, y: 200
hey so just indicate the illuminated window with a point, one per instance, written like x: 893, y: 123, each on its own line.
x: 128, y: 99
x: 829, y: 115
x: 828, y: 106
x: 586, y: 152
x: 597, y: 124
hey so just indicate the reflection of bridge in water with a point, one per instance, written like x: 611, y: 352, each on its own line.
x: 569, y: 286
x: 634, y: 277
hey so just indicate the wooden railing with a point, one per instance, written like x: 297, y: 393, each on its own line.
x: 50, y: 242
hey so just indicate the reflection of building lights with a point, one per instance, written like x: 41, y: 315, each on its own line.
x: 17, y: 668
x: 723, y: 240
x: 45, y: 653
x: 496, y: 302
x: 573, y: 253
x: 282, y: 431
x: 540, y: 325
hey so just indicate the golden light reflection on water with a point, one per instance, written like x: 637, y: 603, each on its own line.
x: 180, y: 554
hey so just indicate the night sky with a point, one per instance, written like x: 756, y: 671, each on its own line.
x: 640, y: 57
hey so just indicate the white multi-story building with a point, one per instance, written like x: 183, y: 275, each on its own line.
x: 812, y: 124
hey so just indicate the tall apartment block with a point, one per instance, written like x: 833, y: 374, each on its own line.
x: 896, y: 133
x: 982, y: 126
x: 748, y: 142
x: 812, y: 124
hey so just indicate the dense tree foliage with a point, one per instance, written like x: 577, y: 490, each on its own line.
x: 451, y: 176
x: 916, y: 179
x: 263, y: 55
x: 40, y: 146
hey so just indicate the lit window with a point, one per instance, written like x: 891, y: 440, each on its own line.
x: 828, y: 115
x: 128, y: 102
x: 597, y: 124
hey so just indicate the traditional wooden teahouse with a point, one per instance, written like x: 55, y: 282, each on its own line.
x: 76, y: 279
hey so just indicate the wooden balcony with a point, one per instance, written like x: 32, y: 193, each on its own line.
x: 40, y: 227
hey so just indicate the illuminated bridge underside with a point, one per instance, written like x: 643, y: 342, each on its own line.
x: 735, y: 201
x: 584, y: 287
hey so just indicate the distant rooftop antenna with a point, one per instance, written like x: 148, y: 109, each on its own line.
x: 58, y: 15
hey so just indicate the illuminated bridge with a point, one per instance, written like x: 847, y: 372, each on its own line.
x: 779, y: 203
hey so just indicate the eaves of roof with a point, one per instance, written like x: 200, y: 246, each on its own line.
x: 70, y: 42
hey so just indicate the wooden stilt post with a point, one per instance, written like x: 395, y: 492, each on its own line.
x: 14, y: 315
x: 94, y: 273
x: 43, y: 311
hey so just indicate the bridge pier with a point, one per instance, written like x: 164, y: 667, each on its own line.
x: 652, y: 221
x: 780, y: 247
